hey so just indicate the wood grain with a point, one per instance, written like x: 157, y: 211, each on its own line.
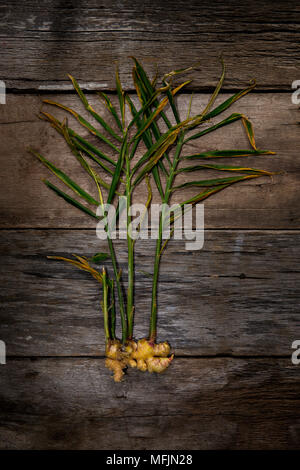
x: 239, y: 295
x: 42, y: 41
x: 198, y: 404
x: 237, y: 298
x: 264, y: 203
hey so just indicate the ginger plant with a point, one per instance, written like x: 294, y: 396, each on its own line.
x: 161, y: 160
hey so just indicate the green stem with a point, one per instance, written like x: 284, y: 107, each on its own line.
x: 153, y: 318
x: 130, y: 245
x: 105, y: 305
x: 112, y: 311
x: 119, y: 289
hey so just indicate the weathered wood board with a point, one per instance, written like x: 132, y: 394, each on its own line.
x: 216, y: 403
x: 242, y: 290
x: 262, y: 203
x: 42, y: 41
x: 237, y: 298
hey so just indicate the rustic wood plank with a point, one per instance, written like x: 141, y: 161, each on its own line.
x: 42, y: 41
x: 263, y: 203
x: 237, y: 296
x: 216, y: 403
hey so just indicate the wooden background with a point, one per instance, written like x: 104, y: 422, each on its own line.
x: 230, y: 311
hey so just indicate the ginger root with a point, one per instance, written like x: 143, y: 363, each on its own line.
x: 143, y: 355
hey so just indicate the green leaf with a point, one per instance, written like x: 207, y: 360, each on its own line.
x: 148, y: 142
x: 145, y: 273
x: 160, y: 106
x: 84, y: 123
x: 91, y: 110
x: 249, y: 130
x: 204, y: 195
x: 147, y: 96
x: 98, y: 257
x: 92, y: 148
x: 111, y: 108
x: 81, y: 159
x: 199, y: 119
x: 141, y: 74
x: 155, y: 157
x: 195, y: 199
x: 118, y: 170
x: 169, y: 94
x: 59, y: 127
x: 120, y: 93
x: 227, y: 154
x: 216, y: 181
x: 91, y: 155
x: 222, y: 107
x: 155, y: 147
x: 65, y: 179
x: 232, y: 118
x: 222, y: 168
x: 70, y: 200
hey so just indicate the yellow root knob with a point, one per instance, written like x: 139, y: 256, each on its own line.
x: 144, y: 350
x: 131, y: 363
x: 141, y: 365
x: 162, y: 349
x: 113, y: 349
x: 159, y: 364
x: 130, y: 347
x: 116, y: 367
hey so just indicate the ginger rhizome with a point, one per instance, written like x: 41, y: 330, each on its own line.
x: 143, y: 355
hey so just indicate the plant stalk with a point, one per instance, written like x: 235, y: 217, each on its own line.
x: 119, y: 289
x: 105, y: 305
x: 130, y: 245
x: 153, y: 318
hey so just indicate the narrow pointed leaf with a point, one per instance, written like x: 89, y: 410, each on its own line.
x: 213, y: 97
x: 204, y: 195
x: 232, y: 118
x: 58, y: 126
x: 158, y: 110
x: 230, y: 168
x: 222, y: 107
x: 111, y: 108
x: 155, y: 147
x: 70, y: 200
x: 81, y: 159
x: 66, y: 179
x: 216, y: 181
x: 90, y: 154
x: 148, y: 142
x: 120, y: 93
x: 195, y: 199
x: 249, y: 130
x: 92, y: 148
x: 84, y: 123
x: 148, y: 87
x: 118, y: 170
x: 91, y: 110
x: 155, y: 158
x: 227, y: 154
x: 98, y: 257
